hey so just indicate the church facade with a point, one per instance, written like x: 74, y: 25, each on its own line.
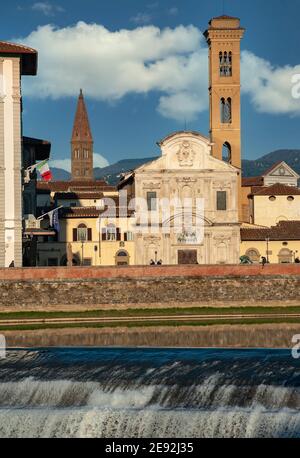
x: 192, y: 206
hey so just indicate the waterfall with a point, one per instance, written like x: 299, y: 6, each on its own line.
x: 149, y: 393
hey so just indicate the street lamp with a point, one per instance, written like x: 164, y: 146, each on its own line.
x: 82, y: 240
x: 267, y: 240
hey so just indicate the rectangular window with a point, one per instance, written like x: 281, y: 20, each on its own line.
x: 221, y: 200
x: 87, y: 262
x: 52, y: 262
x: 151, y: 201
x: 128, y: 236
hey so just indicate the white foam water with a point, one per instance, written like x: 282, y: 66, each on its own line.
x: 143, y: 393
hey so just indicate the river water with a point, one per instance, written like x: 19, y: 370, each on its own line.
x: 149, y: 392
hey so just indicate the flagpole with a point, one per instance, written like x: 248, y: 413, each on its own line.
x: 45, y: 214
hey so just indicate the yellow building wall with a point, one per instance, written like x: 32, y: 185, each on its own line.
x: 98, y: 251
x: 274, y: 249
x: 269, y: 213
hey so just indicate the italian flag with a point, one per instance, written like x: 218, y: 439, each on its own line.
x: 43, y: 168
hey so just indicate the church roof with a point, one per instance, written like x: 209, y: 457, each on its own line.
x: 81, y: 129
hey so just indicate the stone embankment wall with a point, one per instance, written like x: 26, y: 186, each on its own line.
x: 113, y: 286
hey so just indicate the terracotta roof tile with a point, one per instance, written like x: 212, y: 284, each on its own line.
x: 75, y: 186
x: 278, y: 189
x: 285, y: 230
x: 93, y: 212
x: 252, y: 181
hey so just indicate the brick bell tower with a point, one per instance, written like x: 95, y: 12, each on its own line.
x: 82, y: 144
x: 224, y: 36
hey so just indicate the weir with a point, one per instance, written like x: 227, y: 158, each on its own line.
x: 149, y: 393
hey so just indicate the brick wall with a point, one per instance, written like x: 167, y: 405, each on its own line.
x: 63, y: 273
x: 152, y: 285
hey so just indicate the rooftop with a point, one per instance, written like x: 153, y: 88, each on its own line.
x: 278, y: 189
x: 285, y: 230
x: 29, y: 56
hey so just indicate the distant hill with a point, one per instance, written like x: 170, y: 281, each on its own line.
x: 111, y: 172
x: 250, y: 167
x: 258, y: 166
x: 60, y: 174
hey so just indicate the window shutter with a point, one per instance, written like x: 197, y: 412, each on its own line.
x: 125, y: 237
x: 103, y: 235
x: 74, y: 235
x: 90, y: 235
x: 118, y: 234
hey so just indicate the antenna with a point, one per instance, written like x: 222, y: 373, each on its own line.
x: 185, y: 125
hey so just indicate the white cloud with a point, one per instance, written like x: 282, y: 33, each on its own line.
x: 171, y: 62
x: 65, y: 164
x: 100, y: 161
x: 48, y: 9
x: 269, y: 87
x: 114, y: 64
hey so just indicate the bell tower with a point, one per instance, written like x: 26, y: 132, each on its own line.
x: 82, y: 144
x: 224, y: 36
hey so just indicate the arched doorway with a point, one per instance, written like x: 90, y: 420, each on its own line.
x: 122, y: 258
x: 75, y: 262
x: 285, y: 256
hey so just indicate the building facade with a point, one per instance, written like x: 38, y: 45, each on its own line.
x: 15, y: 61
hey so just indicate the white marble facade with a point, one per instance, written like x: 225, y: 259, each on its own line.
x: 187, y: 171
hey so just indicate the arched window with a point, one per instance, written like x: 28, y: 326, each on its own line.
x: 254, y: 255
x: 226, y: 110
x: 226, y: 152
x: 225, y: 59
x: 82, y: 233
x: 122, y: 258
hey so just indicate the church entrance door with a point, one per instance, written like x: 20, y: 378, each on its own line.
x: 187, y: 257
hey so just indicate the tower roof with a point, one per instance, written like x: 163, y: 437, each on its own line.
x: 81, y: 129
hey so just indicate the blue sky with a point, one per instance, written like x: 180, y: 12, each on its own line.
x: 144, y: 82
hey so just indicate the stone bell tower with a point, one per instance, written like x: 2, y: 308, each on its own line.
x: 224, y: 36
x: 82, y: 144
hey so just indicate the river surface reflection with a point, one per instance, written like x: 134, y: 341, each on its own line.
x: 223, y: 336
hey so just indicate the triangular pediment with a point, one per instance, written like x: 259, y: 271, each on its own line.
x: 281, y: 169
